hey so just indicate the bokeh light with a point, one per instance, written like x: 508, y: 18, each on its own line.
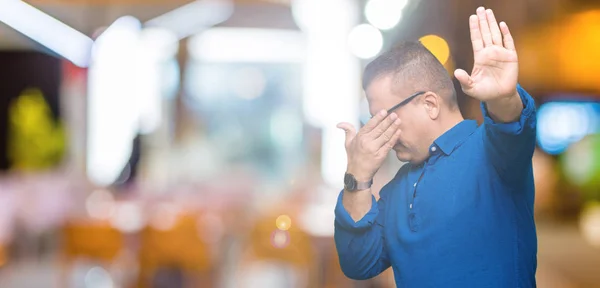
x: 165, y: 216
x: 562, y: 123
x: 184, y: 150
x: 365, y: 41
x: 100, y: 204
x: 384, y: 14
x: 581, y: 28
x: 438, y: 47
x: 581, y: 165
x: 128, y: 217
x: 98, y: 277
x: 280, y: 239
x: 578, y: 162
x: 283, y: 222
x: 589, y: 223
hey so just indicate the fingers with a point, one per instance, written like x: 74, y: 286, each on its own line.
x: 484, y: 27
x: 466, y: 82
x: 383, y: 126
x: 372, y: 124
x: 389, y: 145
x: 350, y: 132
x: 494, y: 29
x: 476, y: 39
x: 485, y: 31
x: 508, y: 40
x: 389, y: 133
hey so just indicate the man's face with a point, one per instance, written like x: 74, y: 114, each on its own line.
x: 412, y: 145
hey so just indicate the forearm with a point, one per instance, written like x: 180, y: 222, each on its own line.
x: 359, y: 238
x: 361, y: 255
x: 510, y: 145
x: 357, y: 203
x: 505, y: 109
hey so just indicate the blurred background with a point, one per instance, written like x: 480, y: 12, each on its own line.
x: 155, y: 143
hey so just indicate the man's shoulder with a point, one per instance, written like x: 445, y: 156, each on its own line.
x: 474, y: 141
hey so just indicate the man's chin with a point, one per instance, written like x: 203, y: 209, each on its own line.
x: 402, y: 156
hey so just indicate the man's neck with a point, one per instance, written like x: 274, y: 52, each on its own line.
x: 448, y: 123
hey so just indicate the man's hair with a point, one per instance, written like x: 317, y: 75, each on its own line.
x: 412, y: 67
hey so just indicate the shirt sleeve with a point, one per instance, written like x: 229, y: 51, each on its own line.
x: 360, y: 245
x: 510, y: 146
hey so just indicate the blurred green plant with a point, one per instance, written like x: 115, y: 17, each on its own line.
x: 35, y: 141
x: 581, y: 166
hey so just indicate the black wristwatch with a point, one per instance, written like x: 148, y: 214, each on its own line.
x: 351, y: 185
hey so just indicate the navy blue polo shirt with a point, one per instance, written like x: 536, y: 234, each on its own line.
x: 463, y: 218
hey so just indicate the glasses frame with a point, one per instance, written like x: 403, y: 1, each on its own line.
x: 405, y: 101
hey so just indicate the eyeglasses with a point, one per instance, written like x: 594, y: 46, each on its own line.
x: 404, y: 102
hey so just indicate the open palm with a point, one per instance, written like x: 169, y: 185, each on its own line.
x: 496, y: 68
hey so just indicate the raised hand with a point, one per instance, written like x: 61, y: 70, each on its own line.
x: 495, y: 70
x: 368, y: 148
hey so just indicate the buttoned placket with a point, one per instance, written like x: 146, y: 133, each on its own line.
x: 433, y: 149
x: 412, y: 213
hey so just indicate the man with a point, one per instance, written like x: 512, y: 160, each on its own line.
x: 460, y: 213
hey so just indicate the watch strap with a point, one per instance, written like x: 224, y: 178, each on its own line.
x: 364, y: 185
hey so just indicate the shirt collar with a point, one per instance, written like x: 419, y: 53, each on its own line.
x: 452, y: 138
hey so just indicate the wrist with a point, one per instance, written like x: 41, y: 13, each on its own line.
x: 505, y: 109
x: 505, y: 98
x: 351, y: 184
x: 359, y: 175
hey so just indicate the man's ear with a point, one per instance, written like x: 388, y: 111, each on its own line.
x: 432, y: 103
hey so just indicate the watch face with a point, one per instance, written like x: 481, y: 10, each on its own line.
x: 349, y: 182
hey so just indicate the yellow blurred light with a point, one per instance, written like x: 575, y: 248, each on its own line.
x: 438, y: 47
x: 36, y: 141
x: 450, y: 66
x: 283, y: 222
x: 543, y: 48
x: 590, y: 223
